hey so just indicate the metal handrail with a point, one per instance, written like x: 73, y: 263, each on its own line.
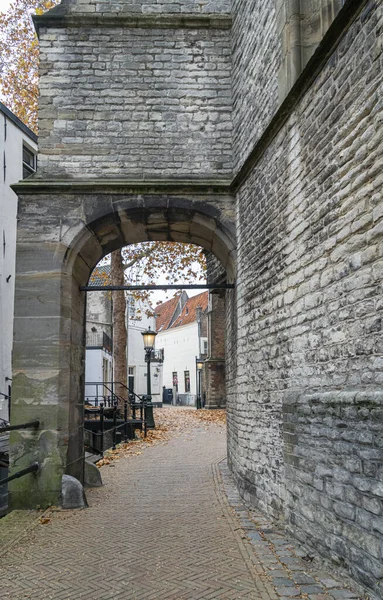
x: 31, y: 469
x: 29, y: 425
x: 115, y: 427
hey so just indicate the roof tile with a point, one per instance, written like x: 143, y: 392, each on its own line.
x: 188, y: 314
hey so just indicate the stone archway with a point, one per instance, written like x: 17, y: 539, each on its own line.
x: 63, y: 233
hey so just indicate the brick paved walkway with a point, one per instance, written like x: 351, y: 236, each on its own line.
x: 160, y: 528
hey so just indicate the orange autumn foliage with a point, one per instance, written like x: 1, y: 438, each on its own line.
x: 19, y: 58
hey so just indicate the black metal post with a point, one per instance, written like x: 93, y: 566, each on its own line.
x: 148, y: 382
x: 143, y: 415
x: 199, y: 403
x: 9, y: 399
x: 125, y: 419
x: 114, y: 424
x: 149, y: 418
x: 102, y: 427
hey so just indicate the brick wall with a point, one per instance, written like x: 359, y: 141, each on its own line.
x: 148, y: 102
x: 310, y: 267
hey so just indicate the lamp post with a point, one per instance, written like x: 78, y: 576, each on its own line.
x: 149, y: 337
x: 199, y: 366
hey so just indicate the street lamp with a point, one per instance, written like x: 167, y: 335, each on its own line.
x: 149, y: 337
x: 199, y: 367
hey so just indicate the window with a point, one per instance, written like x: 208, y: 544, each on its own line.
x: 29, y: 162
x: 187, y: 381
x: 175, y: 380
x: 131, y: 307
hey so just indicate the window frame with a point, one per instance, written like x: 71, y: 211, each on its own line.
x: 187, y: 381
x: 27, y: 166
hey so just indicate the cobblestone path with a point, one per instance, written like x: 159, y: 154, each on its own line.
x: 160, y: 528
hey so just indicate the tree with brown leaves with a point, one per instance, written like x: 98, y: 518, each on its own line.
x: 145, y: 263
x: 19, y: 58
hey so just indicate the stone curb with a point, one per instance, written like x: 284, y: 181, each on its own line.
x: 292, y: 573
x: 258, y: 574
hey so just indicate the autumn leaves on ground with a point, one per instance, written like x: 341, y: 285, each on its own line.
x: 170, y: 422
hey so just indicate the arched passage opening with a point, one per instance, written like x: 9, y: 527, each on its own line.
x: 62, y: 237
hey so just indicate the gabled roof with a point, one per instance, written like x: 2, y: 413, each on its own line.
x: 188, y: 313
x: 164, y: 313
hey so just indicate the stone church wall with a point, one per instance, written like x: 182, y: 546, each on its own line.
x: 310, y: 269
x: 256, y: 59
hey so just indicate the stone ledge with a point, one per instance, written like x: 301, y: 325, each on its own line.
x: 134, y: 21
x: 122, y: 186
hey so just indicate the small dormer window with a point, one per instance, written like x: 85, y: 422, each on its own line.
x: 29, y: 162
x: 187, y: 311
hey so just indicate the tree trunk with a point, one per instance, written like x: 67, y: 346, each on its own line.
x: 120, y: 337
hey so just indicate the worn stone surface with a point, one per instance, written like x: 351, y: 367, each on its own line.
x: 132, y: 102
x: 73, y: 495
x: 92, y: 475
x: 256, y: 58
x: 301, y: 27
x: 55, y: 257
x: 293, y: 571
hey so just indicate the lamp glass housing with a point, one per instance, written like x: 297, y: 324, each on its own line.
x: 149, y: 338
x: 199, y: 363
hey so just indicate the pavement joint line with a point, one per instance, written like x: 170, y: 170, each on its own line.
x: 291, y: 564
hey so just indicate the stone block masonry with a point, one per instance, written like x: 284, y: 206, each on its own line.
x: 256, y: 59
x: 131, y: 102
x: 333, y: 468
x: 122, y: 7
x: 310, y: 260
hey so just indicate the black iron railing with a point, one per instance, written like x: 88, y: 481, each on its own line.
x: 110, y: 405
x: 30, y: 425
x: 34, y: 467
x: 110, y: 420
x: 99, y: 339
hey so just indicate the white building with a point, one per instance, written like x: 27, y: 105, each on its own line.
x: 138, y: 321
x: 181, y: 327
x: 99, y: 335
x: 98, y: 355
x: 18, y: 151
